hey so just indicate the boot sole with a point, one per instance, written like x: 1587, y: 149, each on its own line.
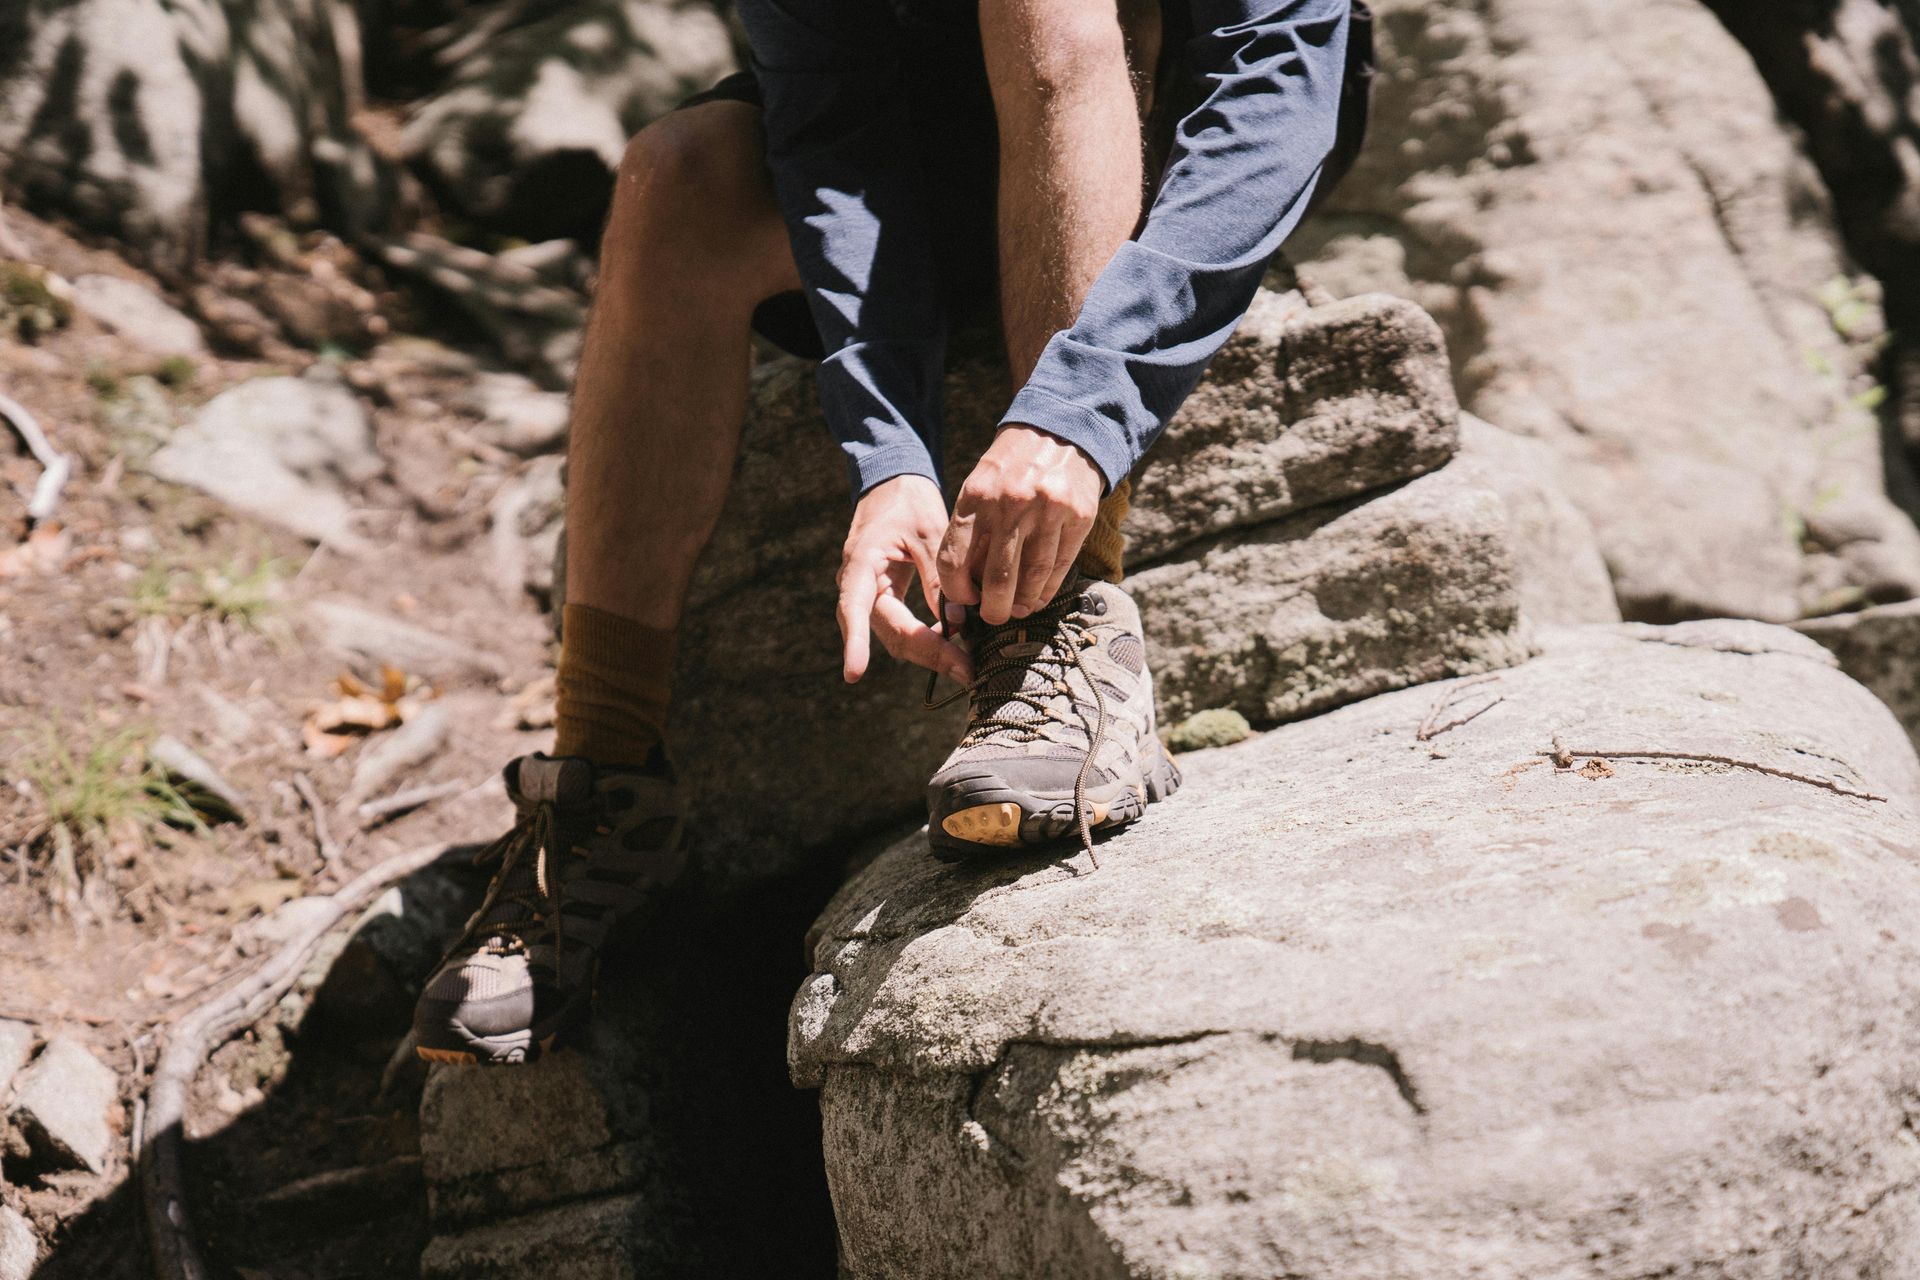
x: 453, y: 1043
x: 984, y: 816
x: 471, y: 1058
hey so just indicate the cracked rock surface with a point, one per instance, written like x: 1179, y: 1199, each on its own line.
x: 1611, y: 979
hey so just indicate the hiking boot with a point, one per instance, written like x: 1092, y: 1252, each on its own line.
x: 588, y: 848
x: 1061, y: 737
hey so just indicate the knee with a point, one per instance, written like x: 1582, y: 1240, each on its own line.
x: 687, y: 177
x: 1060, y: 45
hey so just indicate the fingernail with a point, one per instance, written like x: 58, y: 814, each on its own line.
x: 1021, y: 611
x: 955, y: 614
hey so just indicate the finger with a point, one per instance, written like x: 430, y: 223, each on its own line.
x: 1037, y: 556
x: 859, y: 584
x: 1000, y: 574
x: 1073, y: 536
x: 955, y: 559
x: 912, y: 640
x: 925, y: 563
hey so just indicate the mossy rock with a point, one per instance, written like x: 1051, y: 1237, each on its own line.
x: 1215, y: 727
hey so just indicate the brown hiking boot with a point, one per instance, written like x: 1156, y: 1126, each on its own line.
x: 589, y: 848
x: 1061, y: 738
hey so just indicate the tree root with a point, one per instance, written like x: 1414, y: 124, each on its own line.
x: 55, y: 466
x: 176, y: 1252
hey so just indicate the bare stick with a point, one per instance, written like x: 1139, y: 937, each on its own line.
x: 1457, y: 721
x: 55, y: 466
x: 1564, y: 759
x: 176, y: 1252
x: 10, y: 246
x: 1428, y: 729
x: 374, y: 812
x: 329, y: 847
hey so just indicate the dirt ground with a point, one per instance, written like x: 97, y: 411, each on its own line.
x: 147, y: 609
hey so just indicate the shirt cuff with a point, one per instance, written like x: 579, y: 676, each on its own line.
x: 1101, y: 437
x: 877, y: 466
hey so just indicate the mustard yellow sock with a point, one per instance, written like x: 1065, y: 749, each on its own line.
x: 613, y: 687
x: 1103, y: 551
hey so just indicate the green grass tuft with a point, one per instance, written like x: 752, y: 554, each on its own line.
x: 106, y: 786
x: 243, y: 591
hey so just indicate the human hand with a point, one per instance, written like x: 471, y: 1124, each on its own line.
x: 1018, y: 523
x: 896, y: 530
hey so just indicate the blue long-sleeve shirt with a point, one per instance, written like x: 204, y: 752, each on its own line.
x: 1238, y: 178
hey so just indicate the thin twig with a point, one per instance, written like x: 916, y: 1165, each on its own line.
x: 375, y: 812
x: 10, y: 245
x: 1564, y: 759
x: 1428, y: 729
x: 329, y: 847
x: 176, y: 1252
x: 1457, y: 721
x: 55, y: 466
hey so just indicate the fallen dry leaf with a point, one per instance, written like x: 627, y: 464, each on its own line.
x: 356, y: 710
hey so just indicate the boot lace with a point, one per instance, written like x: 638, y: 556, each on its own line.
x: 523, y: 899
x: 1066, y: 631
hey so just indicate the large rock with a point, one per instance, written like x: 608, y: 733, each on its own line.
x: 1364, y: 1006
x: 1843, y: 72
x: 1305, y: 406
x: 527, y: 132
x: 759, y: 683
x: 1558, y: 570
x: 137, y: 117
x: 1336, y: 604
x: 1881, y: 649
x: 1669, y: 339
x: 290, y: 451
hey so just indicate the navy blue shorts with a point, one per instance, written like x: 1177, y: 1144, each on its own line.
x: 952, y: 113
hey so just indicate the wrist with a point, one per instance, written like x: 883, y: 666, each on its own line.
x: 908, y: 487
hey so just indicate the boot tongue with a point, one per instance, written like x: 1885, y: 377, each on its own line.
x: 543, y: 779
x: 1017, y: 642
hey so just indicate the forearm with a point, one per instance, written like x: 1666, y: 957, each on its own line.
x: 1242, y: 170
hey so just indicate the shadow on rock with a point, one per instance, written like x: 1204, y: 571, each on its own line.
x: 675, y: 1140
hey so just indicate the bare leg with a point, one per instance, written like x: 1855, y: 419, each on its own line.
x: 1068, y: 80
x: 1071, y: 81
x: 694, y: 242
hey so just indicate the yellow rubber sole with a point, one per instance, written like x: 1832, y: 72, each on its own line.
x: 444, y: 1055
x: 997, y: 824
x: 464, y: 1058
